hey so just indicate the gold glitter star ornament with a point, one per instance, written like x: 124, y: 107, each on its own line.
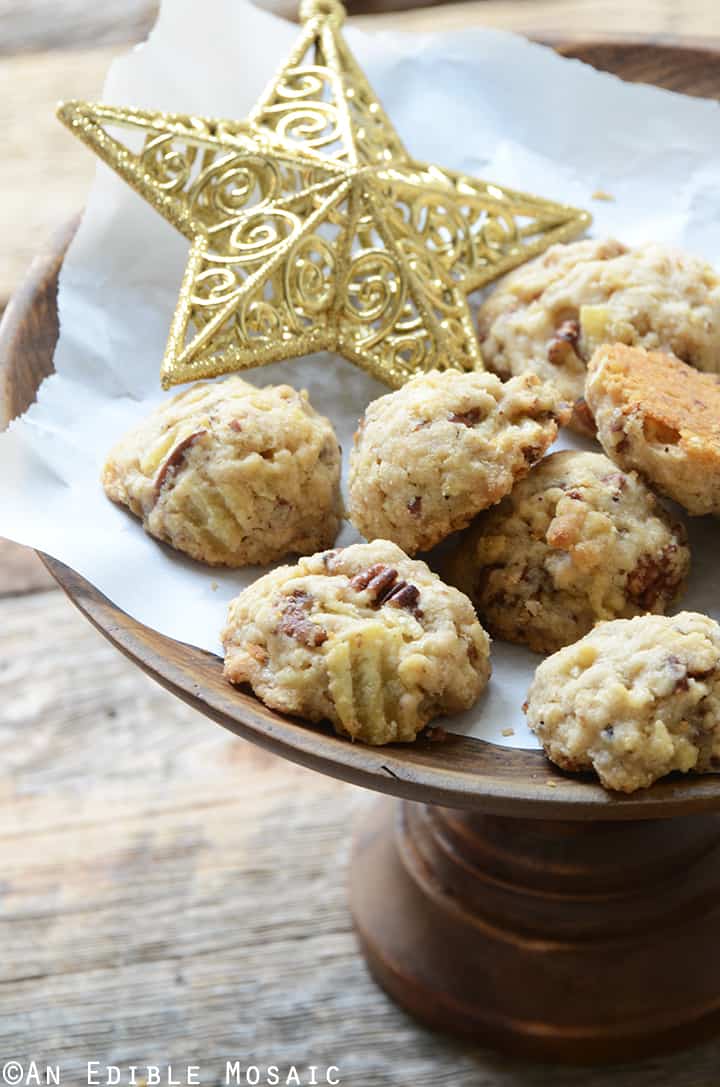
x: 311, y: 227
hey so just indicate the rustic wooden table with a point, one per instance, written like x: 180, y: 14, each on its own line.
x: 168, y: 892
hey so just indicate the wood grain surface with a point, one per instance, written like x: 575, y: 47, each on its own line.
x: 44, y: 176
x: 170, y: 892
x: 654, y: 20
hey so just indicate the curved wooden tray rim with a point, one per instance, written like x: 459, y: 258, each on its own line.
x: 460, y: 772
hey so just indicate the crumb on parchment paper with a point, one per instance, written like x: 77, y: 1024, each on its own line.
x: 508, y: 732
x: 600, y: 194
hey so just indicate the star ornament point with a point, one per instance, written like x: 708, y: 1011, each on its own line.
x: 311, y: 228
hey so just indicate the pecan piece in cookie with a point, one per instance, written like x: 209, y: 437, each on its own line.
x: 381, y: 582
x: 328, y: 559
x: 532, y: 453
x: 175, y: 460
x: 468, y: 418
x: 296, y: 623
x: 377, y: 579
x: 655, y: 577
x: 404, y: 595
x: 678, y: 673
x: 582, y: 418
x: 564, y: 342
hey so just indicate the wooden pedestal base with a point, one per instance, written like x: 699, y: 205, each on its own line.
x: 581, y: 942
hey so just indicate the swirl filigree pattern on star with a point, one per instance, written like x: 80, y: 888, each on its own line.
x: 312, y: 228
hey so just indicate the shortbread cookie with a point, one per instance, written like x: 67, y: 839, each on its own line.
x: 232, y: 475
x: 363, y: 637
x: 549, y: 315
x: 428, y: 457
x: 577, y: 541
x: 658, y: 415
x: 633, y: 700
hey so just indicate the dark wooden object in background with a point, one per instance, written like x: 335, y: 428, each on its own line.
x: 577, y: 942
x: 465, y: 924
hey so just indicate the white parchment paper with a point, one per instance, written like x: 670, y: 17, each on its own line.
x: 481, y: 101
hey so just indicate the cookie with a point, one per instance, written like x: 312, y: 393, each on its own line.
x: 446, y: 445
x: 363, y: 637
x: 633, y: 700
x: 549, y: 315
x: 232, y: 475
x: 660, y: 416
x: 576, y: 542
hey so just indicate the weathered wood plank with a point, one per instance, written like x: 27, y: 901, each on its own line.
x: 170, y: 893
x: 44, y: 172
x: 39, y: 25
x: 21, y: 570
x: 36, y: 25
x: 555, y: 19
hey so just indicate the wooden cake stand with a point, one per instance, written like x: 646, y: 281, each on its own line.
x: 499, y: 899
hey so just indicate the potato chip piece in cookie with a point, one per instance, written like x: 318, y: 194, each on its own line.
x: 661, y: 417
x: 363, y: 637
x: 633, y: 700
x: 550, y: 314
x: 446, y: 445
x: 231, y: 474
x: 577, y: 541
